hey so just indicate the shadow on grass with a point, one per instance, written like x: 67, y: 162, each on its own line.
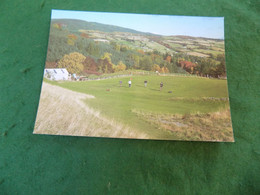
x: 154, y: 89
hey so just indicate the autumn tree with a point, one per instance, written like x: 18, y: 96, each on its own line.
x: 57, y: 25
x: 90, y: 66
x: 120, y: 66
x: 107, y: 56
x: 73, y: 62
x: 156, y: 67
x: 141, y: 51
x: 72, y: 36
x: 84, y: 35
x: 70, y: 42
x: 105, y: 64
x: 71, y: 39
x: 164, y: 70
x: 168, y: 59
x: 188, y: 66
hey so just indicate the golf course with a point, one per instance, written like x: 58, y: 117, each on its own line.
x: 113, y: 79
x: 186, y: 108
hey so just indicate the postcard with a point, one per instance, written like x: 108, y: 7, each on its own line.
x: 135, y: 76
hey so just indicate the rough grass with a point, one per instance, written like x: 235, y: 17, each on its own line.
x: 214, y: 126
x: 63, y: 112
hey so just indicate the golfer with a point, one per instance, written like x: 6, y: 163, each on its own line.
x: 161, y: 86
x: 129, y: 83
x: 145, y: 83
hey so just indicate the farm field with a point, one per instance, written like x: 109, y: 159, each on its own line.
x: 187, y: 108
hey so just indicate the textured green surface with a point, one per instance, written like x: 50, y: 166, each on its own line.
x: 38, y: 164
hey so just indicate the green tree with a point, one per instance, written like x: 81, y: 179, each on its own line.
x: 124, y: 48
x: 92, y: 49
x: 221, y: 69
x: 115, y: 45
x: 135, y: 59
x: 146, y: 63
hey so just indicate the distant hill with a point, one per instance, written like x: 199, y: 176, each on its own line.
x: 75, y: 25
x: 109, y: 48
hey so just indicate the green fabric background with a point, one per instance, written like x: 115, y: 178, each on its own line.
x: 41, y: 164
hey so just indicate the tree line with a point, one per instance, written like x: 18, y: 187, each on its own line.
x: 82, y: 55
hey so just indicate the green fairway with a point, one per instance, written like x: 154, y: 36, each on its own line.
x: 179, y: 95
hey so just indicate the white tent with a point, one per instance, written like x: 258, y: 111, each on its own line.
x: 56, y: 74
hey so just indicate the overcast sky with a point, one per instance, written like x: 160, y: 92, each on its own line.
x: 210, y: 27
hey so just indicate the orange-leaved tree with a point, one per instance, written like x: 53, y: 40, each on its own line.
x: 168, y: 59
x: 73, y: 62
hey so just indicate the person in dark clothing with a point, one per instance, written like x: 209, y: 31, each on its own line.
x: 145, y: 83
x: 161, y: 86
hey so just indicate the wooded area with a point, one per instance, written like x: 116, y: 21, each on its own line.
x: 86, y: 52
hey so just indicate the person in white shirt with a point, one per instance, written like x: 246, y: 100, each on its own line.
x: 129, y: 83
x: 145, y: 83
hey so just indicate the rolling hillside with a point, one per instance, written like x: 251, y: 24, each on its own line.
x: 75, y: 25
x: 107, y: 46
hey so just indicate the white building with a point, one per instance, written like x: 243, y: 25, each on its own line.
x: 56, y: 74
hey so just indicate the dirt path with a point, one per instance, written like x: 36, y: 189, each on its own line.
x: 63, y: 112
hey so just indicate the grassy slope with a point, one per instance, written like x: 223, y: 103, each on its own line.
x: 120, y: 102
x: 62, y: 112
